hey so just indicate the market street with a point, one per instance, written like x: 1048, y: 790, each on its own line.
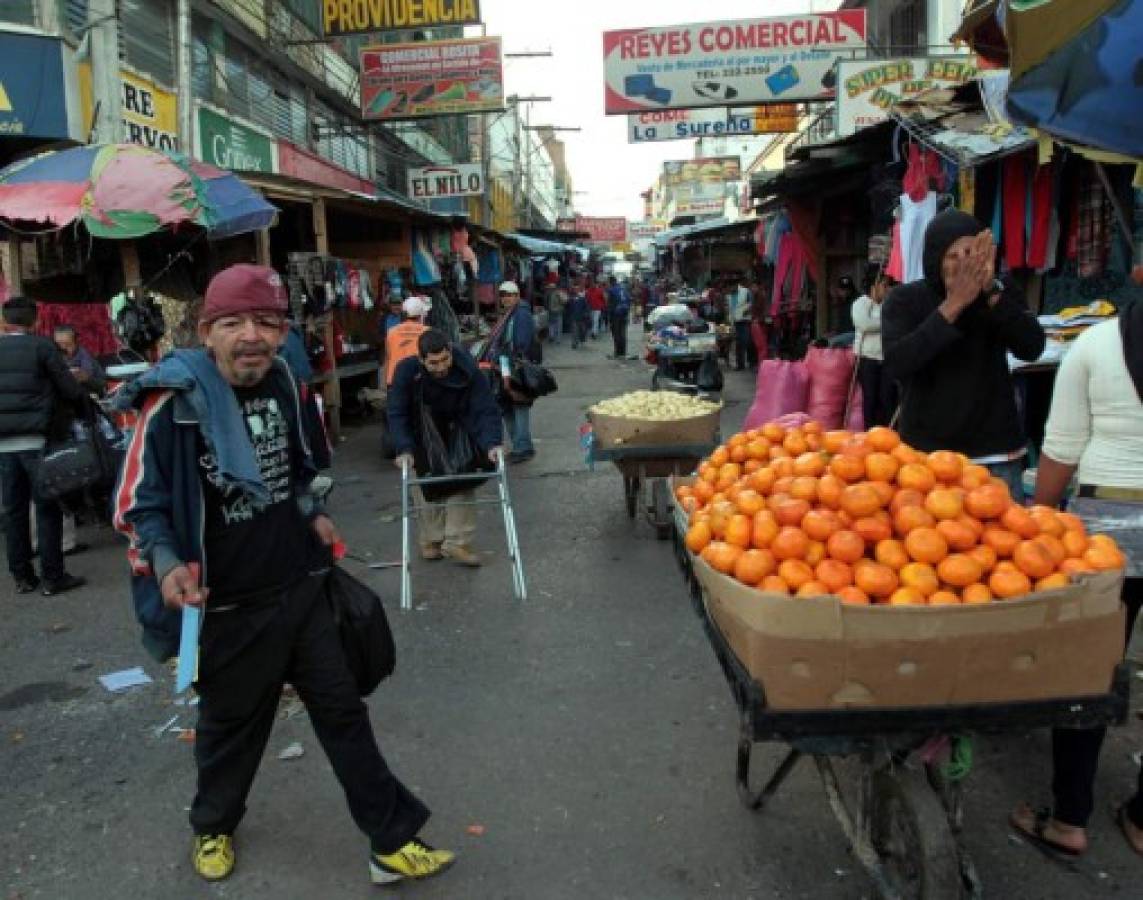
x: 578, y: 746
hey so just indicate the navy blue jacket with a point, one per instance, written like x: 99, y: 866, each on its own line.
x: 518, y: 335
x: 462, y: 396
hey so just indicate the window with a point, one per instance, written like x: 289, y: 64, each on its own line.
x: 18, y: 12
x: 308, y: 11
x: 147, y: 37
x: 74, y: 13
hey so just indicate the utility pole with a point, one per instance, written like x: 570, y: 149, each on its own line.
x: 185, y: 83
x: 106, y: 84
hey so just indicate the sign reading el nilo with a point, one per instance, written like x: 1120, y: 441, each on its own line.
x: 150, y: 113
x: 435, y: 182
x: 346, y: 17
x: 749, y: 61
x: 868, y: 89
x: 230, y: 145
x: 431, y: 78
x: 675, y: 124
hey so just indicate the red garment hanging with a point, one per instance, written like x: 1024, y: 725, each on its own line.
x: 1041, y: 217
x: 91, y: 321
x: 1014, y: 174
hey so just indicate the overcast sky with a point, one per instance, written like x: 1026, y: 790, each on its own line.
x: 611, y: 172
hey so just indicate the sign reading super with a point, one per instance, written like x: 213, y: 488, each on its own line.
x: 346, y: 17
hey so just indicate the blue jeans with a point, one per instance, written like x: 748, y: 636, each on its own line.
x: 17, y: 476
x: 517, y: 419
x: 555, y: 325
x: 1012, y: 473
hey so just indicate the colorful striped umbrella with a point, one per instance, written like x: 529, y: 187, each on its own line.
x: 124, y: 191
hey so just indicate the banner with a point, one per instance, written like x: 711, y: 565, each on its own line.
x: 869, y: 88
x: 674, y: 124
x: 344, y: 17
x: 150, y: 113
x: 708, y: 169
x: 743, y: 62
x: 642, y: 231
x: 33, y: 96
x: 431, y: 78
x: 433, y: 182
x: 698, y: 198
x: 600, y: 230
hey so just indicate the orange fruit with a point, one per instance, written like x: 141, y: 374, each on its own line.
x: 1075, y: 543
x: 720, y: 456
x: 1006, y: 565
x: 795, y: 442
x: 739, y: 531
x: 795, y: 572
x: 764, y: 529
x: 759, y: 449
x: 882, y: 439
x: 1047, y: 519
x: 721, y: 556
x: 973, y: 525
x: 1017, y: 518
x: 683, y: 490
x: 751, y: 465
x: 944, y: 598
x: 960, y: 570
x: 789, y: 511
x: 749, y: 502
x: 704, y: 491
x: 783, y: 466
x: 1053, y: 581
x: 774, y: 585
x: 891, y: 553
x: 754, y: 565
x: 904, y: 454
x: 926, y: 545
x: 812, y: 589
x: 1071, y: 522
x: 906, y: 596
x: 848, y: 468
x: 1103, y: 540
x: 737, y: 440
x: 920, y: 576
x: 819, y: 524
x: 987, y: 502
x: 815, y: 552
x: 829, y: 490
x: 1102, y: 558
x: 834, y: 574
x: 860, y: 500
x: 738, y: 454
x: 906, y: 497
x: 804, y: 487
x: 790, y: 543
x: 958, y: 535
x: 881, y: 467
x: 698, y: 536
x: 810, y: 463
x: 976, y: 593
x: 1000, y: 539
x: 762, y: 481
x: 1071, y: 567
x: 1034, y: 559
x: 984, y: 555
x: 854, y: 595
x: 1009, y: 584
x: 833, y: 441
x: 875, y: 579
x: 974, y: 476
x: 885, y: 491
x: 773, y: 432
x: 856, y: 446
x: 872, y: 528
x: 846, y: 546
x: 783, y: 485
x: 946, y: 465
x: 1054, y: 546
x: 944, y: 503
x: 916, y: 476
x: 720, y: 514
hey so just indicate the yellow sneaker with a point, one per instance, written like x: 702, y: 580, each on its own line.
x: 213, y: 856
x: 415, y: 860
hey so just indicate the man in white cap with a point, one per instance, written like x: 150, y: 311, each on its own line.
x: 516, y: 339
x: 401, y: 341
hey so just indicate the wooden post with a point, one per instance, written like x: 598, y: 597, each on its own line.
x: 262, y: 247
x: 331, y: 389
x: 14, y: 265
x: 129, y: 257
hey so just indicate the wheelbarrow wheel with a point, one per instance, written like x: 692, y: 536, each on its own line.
x: 910, y: 830
x: 661, y: 509
x: 631, y: 494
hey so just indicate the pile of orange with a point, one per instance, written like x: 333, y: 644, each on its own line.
x: 863, y: 516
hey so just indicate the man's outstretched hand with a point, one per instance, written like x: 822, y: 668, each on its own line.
x: 180, y: 588
x: 325, y: 530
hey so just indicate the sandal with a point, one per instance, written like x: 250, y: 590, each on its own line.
x: 1039, y: 840
x: 1120, y: 814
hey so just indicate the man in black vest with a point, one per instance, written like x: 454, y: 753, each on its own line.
x: 35, y: 385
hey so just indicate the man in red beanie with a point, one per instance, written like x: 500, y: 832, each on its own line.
x: 214, y: 501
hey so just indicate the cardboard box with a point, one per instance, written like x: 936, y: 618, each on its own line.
x: 614, y: 431
x: 821, y: 653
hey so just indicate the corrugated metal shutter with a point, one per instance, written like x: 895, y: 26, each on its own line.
x: 75, y: 16
x: 19, y: 12
x: 146, y: 37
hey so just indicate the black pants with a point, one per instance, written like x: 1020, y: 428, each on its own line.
x: 1075, y: 751
x: 619, y: 334
x: 246, y: 656
x: 744, y: 350
x: 878, y: 393
x: 17, y: 477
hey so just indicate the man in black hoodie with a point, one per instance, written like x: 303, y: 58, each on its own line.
x: 946, y: 340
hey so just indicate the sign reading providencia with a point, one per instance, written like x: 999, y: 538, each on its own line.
x: 743, y: 62
x: 346, y: 17
x: 432, y: 182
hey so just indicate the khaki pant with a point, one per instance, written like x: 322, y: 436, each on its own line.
x: 448, y: 523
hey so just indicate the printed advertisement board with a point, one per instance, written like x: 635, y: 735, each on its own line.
x: 32, y: 95
x: 431, y: 78
x: 709, y: 169
x: 744, y: 62
x: 603, y: 230
x: 433, y: 182
x: 867, y: 89
x: 345, y: 17
x: 228, y: 144
x: 642, y: 231
x: 675, y: 124
x: 150, y: 113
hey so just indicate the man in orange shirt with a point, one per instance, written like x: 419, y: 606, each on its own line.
x: 401, y: 341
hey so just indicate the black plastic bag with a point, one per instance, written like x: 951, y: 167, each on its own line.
x: 532, y: 379
x: 89, y: 459
x: 437, y: 455
x: 709, y: 377
x: 363, y: 629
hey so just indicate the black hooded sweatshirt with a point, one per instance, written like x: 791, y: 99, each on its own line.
x: 956, y: 388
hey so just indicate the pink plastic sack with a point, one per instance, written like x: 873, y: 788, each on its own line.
x: 831, y: 371
x: 782, y: 387
x: 855, y: 421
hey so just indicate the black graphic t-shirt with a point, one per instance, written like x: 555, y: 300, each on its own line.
x: 252, y: 552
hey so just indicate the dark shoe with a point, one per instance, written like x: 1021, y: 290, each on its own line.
x: 27, y: 585
x: 79, y: 547
x: 515, y: 457
x: 62, y: 584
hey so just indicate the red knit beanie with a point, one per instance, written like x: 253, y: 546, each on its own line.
x: 244, y: 289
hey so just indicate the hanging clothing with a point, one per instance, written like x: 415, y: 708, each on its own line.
x: 1015, y: 192
x: 966, y: 188
x: 895, y: 268
x: 791, y: 268
x: 1041, y: 218
x: 915, y: 218
x: 91, y: 321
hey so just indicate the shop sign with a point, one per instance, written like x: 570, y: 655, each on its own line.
x: 33, y: 101
x: 642, y: 231
x: 433, y: 182
x: 868, y: 89
x: 603, y: 230
x: 150, y: 113
x: 227, y: 144
x: 748, y: 61
x: 306, y: 166
x: 431, y: 78
x: 345, y: 17
x: 698, y: 198
x: 675, y: 124
x: 707, y: 169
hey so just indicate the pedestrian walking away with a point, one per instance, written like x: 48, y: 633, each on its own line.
x: 741, y: 308
x: 38, y: 399
x: 443, y: 382
x: 597, y: 304
x: 618, y: 310
x: 215, y: 504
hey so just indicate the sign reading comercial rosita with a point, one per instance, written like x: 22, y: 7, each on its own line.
x: 345, y: 17
x: 434, y: 182
x: 431, y: 78
x: 231, y: 145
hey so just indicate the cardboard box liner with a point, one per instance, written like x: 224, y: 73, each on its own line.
x: 821, y: 653
x: 616, y: 431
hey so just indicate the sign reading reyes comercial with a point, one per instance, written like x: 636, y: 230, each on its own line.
x: 431, y: 78
x: 675, y: 124
x: 779, y: 60
x: 345, y: 17
x: 432, y: 182
x: 867, y: 89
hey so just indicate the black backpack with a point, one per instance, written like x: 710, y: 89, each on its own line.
x: 363, y: 627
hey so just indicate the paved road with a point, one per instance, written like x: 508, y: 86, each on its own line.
x: 589, y: 732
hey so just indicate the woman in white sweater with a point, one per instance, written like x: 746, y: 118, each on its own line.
x: 878, y: 393
x: 1095, y: 431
